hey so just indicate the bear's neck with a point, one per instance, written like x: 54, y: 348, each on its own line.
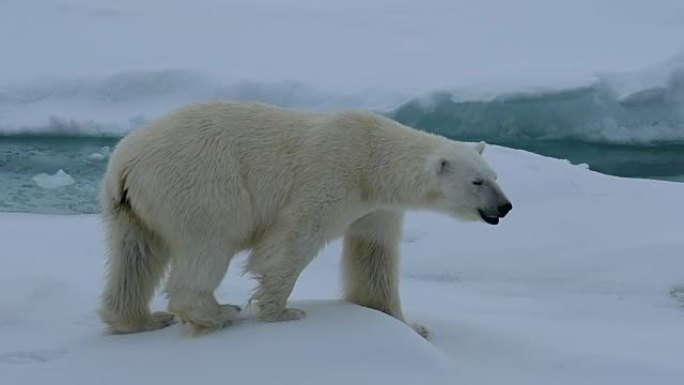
x: 399, y: 176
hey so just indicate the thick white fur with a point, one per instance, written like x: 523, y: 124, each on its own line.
x: 206, y: 181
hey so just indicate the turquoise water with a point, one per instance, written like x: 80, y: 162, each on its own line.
x: 22, y: 158
x: 638, y: 135
x: 84, y: 158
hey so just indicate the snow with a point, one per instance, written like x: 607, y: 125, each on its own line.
x: 581, y: 283
x: 56, y: 180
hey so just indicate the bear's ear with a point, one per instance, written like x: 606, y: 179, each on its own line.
x: 480, y: 147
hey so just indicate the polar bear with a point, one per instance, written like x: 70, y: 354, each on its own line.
x: 209, y: 180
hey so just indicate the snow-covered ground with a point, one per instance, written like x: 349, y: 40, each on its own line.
x: 581, y: 284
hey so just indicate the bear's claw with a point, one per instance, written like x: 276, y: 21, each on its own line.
x: 288, y: 314
x: 200, y: 323
x: 162, y: 319
x: 422, y: 330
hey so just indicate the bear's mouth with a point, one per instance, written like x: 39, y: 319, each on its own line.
x: 491, y: 219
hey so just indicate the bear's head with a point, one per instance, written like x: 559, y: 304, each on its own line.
x: 467, y: 185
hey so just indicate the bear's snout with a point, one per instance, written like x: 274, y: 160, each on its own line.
x: 493, y: 215
x: 504, y: 209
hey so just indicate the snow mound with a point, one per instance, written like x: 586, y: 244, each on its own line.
x: 50, y: 332
x: 56, y: 180
x: 337, y: 343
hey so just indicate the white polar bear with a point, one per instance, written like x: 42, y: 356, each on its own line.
x: 209, y: 180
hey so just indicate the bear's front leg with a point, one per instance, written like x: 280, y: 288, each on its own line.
x: 371, y: 264
x: 271, y: 298
x: 277, y: 262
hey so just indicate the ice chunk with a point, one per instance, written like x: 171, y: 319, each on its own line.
x: 102, y: 155
x: 56, y: 180
x: 96, y: 156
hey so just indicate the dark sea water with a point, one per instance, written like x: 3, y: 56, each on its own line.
x: 84, y: 159
x: 22, y: 158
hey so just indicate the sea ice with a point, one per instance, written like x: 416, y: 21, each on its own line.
x: 56, y: 180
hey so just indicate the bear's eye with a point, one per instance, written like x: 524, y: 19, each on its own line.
x: 478, y: 182
x: 443, y: 166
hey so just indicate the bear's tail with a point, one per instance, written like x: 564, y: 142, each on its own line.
x: 136, y: 260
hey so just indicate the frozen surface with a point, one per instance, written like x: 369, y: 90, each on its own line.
x: 581, y: 284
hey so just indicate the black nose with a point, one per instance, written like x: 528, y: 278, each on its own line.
x: 504, y: 209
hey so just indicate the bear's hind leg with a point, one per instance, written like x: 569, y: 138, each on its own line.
x: 136, y: 260
x: 194, y: 277
x: 370, y: 264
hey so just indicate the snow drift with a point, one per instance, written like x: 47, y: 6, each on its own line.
x: 581, y: 284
